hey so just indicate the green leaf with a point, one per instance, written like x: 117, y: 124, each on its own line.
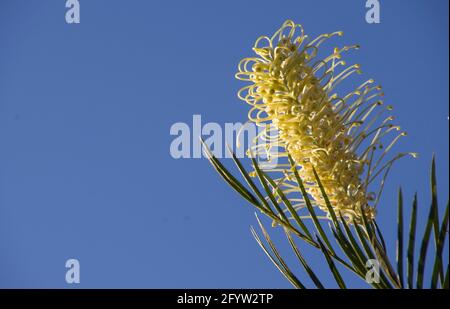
x: 346, y: 248
x: 277, y: 260
x: 436, y: 214
x: 339, y: 235
x: 379, y: 234
x: 434, y: 200
x: 337, y: 276
x: 424, y: 246
x: 236, y: 185
x: 400, y: 237
x: 446, y: 277
x: 354, y: 247
x: 384, y: 282
x: 327, y: 201
x: 249, y: 180
x: 289, y: 206
x: 269, y: 193
x: 367, y: 227
x: 438, y: 265
x: 411, y: 243
x: 379, y: 251
x: 310, y: 207
x: 230, y: 179
x: 302, y: 260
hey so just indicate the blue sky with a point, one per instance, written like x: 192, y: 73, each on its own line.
x: 85, y: 114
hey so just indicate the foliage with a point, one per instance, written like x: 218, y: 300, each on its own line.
x: 357, y: 242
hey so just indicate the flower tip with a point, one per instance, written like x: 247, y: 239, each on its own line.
x: 289, y: 22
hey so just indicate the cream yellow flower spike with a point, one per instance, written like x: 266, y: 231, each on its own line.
x: 292, y: 90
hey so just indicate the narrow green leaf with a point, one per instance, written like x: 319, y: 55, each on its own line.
x: 249, y: 180
x: 282, y: 265
x: 384, y: 282
x: 302, y: 260
x: 296, y: 284
x: 338, y: 234
x: 269, y: 193
x: 310, y: 207
x: 434, y: 200
x: 288, y: 204
x: 235, y: 184
x: 446, y: 286
x: 327, y: 201
x: 379, y: 234
x: 438, y: 265
x: 380, y: 252
x: 347, y: 249
x: 367, y: 227
x: 337, y: 276
x: 281, y: 217
x: 229, y: 178
x: 354, y: 247
x: 411, y: 243
x: 424, y: 247
x: 400, y: 237
x: 436, y: 214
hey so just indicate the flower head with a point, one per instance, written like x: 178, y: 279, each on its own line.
x: 293, y: 93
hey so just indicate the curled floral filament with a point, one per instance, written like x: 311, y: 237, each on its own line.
x: 292, y: 93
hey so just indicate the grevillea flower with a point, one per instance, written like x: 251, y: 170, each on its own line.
x: 293, y: 95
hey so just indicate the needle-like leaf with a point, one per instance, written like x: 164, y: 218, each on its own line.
x: 400, y: 237
x: 230, y: 179
x: 310, y: 207
x: 379, y: 251
x: 288, y: 205
x: 337, y: 276
x: 379, y: 234
x: 354, y: 248
x: 434, y: 200
x: 277, y: 260
x: 446, y: 277
x: 438, y: 265
x: 249, y: 180
x: 269, y: 193
x: 302, y: 260
x: 411, y: 243
x: 424, y: 247
x: 384, y: 282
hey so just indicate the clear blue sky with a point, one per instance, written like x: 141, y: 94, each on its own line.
x: 85, y: 113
